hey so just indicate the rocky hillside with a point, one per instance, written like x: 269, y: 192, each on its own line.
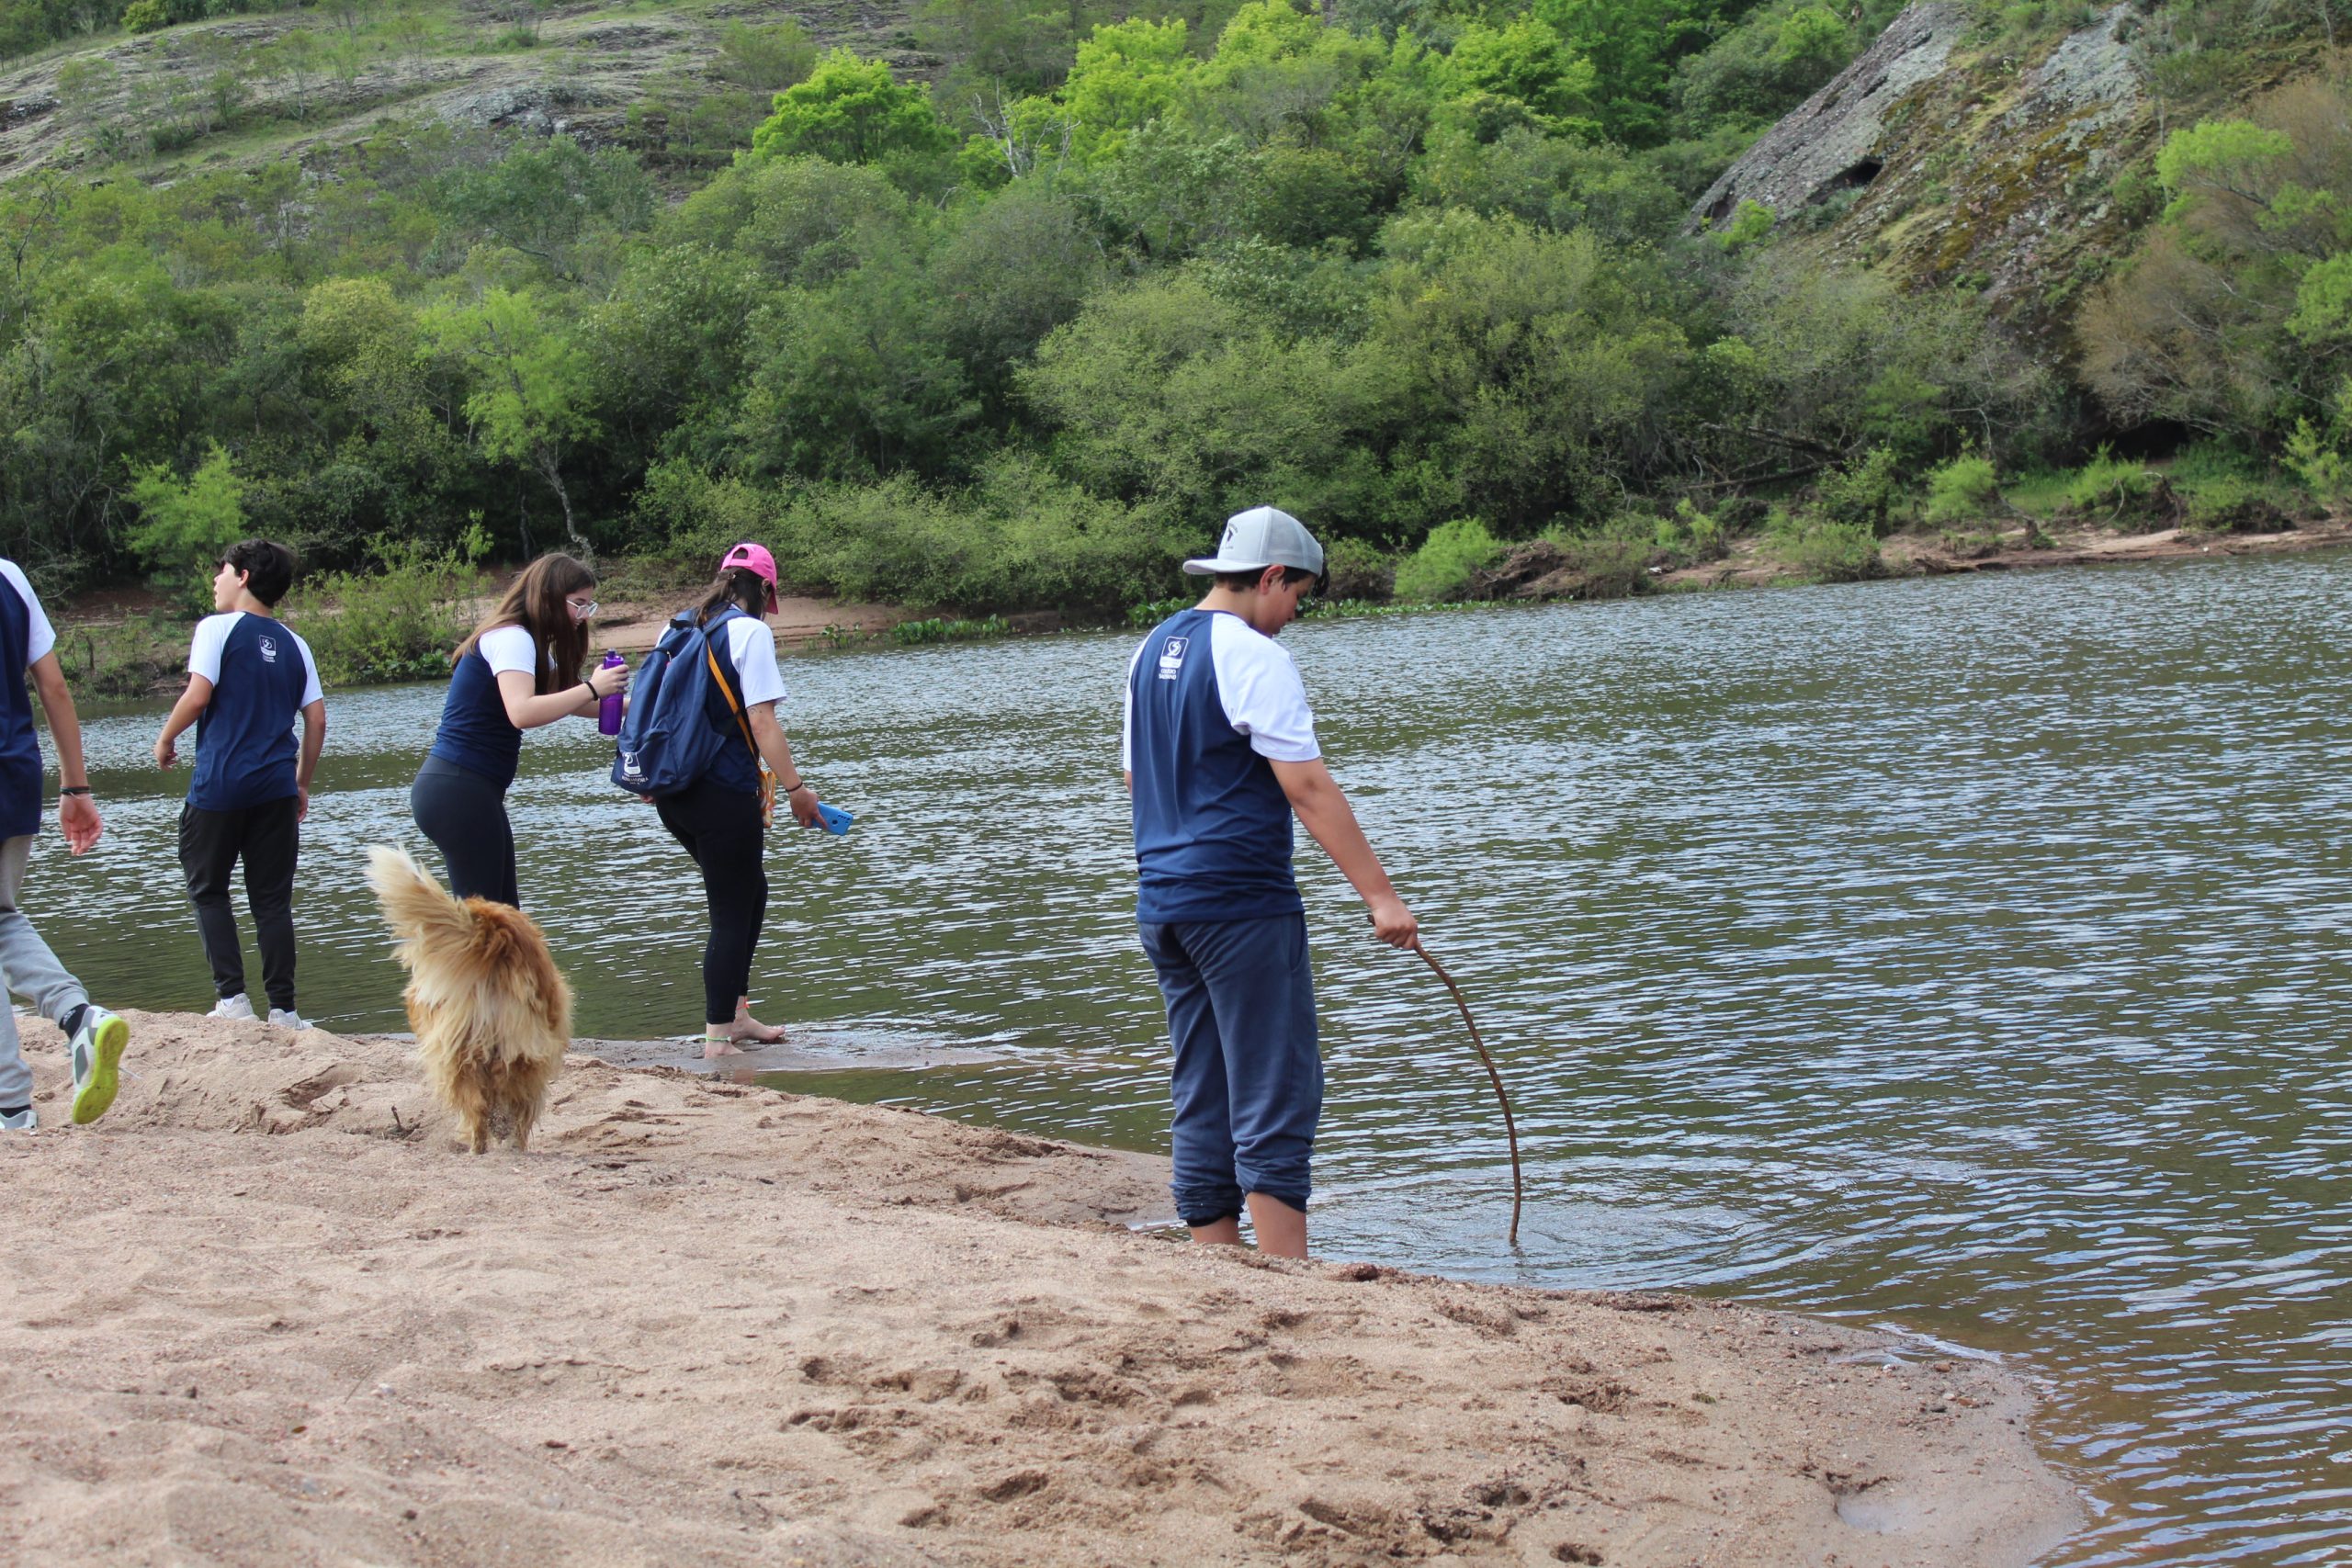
x: 233, y: 92
x: 1958, y: 153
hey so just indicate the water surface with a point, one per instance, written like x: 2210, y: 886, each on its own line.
x: 1963, y: 954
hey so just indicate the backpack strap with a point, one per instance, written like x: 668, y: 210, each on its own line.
x: 735, y: 705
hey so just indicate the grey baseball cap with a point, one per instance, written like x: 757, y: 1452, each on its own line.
x: 1258, y: 538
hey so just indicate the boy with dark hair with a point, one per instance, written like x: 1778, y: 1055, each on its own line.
x: 95, y: 1038
x: 1220, y: 751
x: 248, y: 676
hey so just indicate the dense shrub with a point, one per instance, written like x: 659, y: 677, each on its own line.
x: 398, y: 622
x: 1867, y: 493
x: 2109, y: 486
x: 1020, y: 538
x: 1962, y: 490
x: 1821, y: 551
x: 1441, y: 568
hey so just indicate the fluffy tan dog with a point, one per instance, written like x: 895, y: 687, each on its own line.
x: 491, y: 1012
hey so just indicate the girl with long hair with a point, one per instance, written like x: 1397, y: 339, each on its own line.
x: 720, y: 818
x: 519, y: 670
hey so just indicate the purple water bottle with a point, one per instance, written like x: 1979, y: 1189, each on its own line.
x: 608, y: 712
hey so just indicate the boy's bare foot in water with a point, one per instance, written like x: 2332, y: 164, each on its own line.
x: 746, y: 1029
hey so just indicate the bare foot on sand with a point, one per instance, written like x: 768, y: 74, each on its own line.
x: 719, y: 1045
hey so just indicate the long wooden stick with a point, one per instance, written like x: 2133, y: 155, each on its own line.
x: 1511, y: 1128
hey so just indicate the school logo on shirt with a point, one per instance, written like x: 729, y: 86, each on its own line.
x: 269, y: 651
x: 1172, y: 656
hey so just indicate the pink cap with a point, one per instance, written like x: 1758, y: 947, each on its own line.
x: 757, y: 559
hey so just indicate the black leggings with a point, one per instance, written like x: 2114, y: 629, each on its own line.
x: 267, y: 840
x: 465, y: 816
x: 722, y: 829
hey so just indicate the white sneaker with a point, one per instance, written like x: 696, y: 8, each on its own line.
x: 95, y: 1053
x: 285, y: 1018
x: 238, y: 1006
x: 23, y: 1121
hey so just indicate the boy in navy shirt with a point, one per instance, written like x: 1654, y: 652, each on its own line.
x: 95, y: 1038
x: 1220, y: 751
x: 247, y: 677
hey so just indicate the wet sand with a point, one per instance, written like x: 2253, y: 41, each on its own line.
x: 267, y: 1312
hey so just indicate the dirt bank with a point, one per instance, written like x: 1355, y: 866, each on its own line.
x: 2021, y: 549
x: 265, y: 1312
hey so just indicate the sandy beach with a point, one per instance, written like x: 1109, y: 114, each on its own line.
x: 265, y: 1312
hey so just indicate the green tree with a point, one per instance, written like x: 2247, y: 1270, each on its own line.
x: 765, y: 59
x: 530, y: 394
x: 1519, y: 75
x: 852, y: 381
x: 185, y: 525
x: 851, y: 111
x: 1126, y: 75
x: 295, y: 58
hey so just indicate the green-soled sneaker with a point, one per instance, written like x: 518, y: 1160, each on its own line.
x: 96, y: 1053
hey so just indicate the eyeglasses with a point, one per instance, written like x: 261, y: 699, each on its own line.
x: 581, y: 609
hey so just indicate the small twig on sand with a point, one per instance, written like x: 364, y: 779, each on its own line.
x: 1511, y: 1128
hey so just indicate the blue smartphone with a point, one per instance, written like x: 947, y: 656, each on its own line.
x: 833, y: 819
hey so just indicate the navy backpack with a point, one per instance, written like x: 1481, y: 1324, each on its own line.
x: 667, y: 740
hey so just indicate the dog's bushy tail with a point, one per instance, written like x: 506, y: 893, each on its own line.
x: 417, y: 908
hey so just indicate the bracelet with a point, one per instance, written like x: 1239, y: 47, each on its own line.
x: 792, y: 788
x: 75, y: 789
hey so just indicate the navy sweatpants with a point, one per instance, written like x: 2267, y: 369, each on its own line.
x: 1246, y: 1077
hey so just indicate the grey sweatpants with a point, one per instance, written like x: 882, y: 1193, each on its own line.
x: 28, y: 968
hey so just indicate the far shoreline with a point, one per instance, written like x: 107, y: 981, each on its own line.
x: 1527, y: 574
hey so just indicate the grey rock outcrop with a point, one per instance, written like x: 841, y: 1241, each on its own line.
x: 1831, y: 143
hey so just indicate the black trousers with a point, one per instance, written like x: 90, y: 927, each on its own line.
x: 722, y: 829
x: 465, y: 816
x: 267, y: 839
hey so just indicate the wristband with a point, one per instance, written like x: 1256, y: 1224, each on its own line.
x: 794, y: 788
x: 75, y: 789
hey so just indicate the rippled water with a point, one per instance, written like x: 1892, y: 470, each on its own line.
x: 1964, y: 955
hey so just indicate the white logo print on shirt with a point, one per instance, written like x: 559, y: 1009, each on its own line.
x: 269, y: 651
x: 1172, y: 656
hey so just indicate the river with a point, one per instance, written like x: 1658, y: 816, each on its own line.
x: 1964, y: 955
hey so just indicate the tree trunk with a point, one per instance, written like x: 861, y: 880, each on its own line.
x: 554, y: 473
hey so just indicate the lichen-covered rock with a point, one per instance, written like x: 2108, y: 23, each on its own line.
x: 1941, y: 158
x: 1831, y: 143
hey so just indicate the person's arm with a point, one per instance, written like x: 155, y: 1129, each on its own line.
x: 1315, y: 796
x: 767, y: 733
x: 314, y: 739
x: 187, y: 711
x: 524, y: 711
x: 76, y: 814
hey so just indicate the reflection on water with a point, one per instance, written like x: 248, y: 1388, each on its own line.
x: 1960, y: 954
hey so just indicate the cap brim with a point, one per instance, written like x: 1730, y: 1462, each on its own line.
x: 1210, y: 566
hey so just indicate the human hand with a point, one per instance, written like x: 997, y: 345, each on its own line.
x: 803, y: 802
x: 301, y: 804
x: 166, y: 753
x: 1393, y: 924
x: 78, y: 815
x: 605, y: 681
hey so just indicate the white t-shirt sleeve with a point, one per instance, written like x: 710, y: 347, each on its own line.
x: 311, y: 690
x: 510, y: 647
x: 1264, y: 697
x: 40, y: 637
x: 752, y: 648
x: 204, y: 648
x: 1127, y: 711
